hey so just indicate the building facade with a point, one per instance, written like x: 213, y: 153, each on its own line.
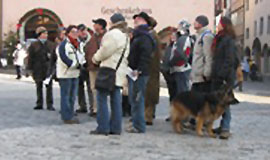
x: 237, y: 13
x: 1, y: 23
x: 257, y: 32
x: 24, y: 16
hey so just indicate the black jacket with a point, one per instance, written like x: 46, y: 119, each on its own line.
x: 225, y: 60
x: 42, y: 59
x: 142, y: 47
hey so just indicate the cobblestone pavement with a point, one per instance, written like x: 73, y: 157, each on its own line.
x: 26, y: 134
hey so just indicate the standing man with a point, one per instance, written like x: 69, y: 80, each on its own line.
x: 69, y: 62
x: 112, y: 54
x: 142, y: 46
x: 41, y: 60
x: 152, y: 87
x: 91, y: 48
x: 84, y: 37
x: 181, y: 51
x: 202, y: 57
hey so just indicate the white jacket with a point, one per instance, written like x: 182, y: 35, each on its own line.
x: 111, y: 49
x: 19, y: 56
x: 68, y: 60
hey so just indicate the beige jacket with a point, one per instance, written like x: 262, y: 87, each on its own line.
x: 202, y: 56
x: 111, y: 49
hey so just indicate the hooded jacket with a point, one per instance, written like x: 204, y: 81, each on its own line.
x: 111, y: 49
x: 142, y: 47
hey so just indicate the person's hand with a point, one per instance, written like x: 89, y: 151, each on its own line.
x: 136, y: 73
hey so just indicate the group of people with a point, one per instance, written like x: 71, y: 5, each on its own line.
x: 208, y: 62
x: 124, y: 64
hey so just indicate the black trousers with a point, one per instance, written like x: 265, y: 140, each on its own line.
x: 18, y: 71
x: 171, y: 84
x: 204, y: 87
x: 81, y: 92
x: 49, y: 94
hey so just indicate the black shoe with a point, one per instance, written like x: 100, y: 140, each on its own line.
x: 113, y: 133
x: 51, y: 108
x: 95, y: 132
x: 81, y: 111
x: 168, y: 119
x: 73, y: 121
x: 225, y: 135
x: 38, y: 108
x: 149, y: 123
x: 217, y: 130
x: 18, y: 77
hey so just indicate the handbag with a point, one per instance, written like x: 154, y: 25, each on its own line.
x: 106, y: 76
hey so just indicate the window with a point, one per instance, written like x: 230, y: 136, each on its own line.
x: 268, y: 25
x: 247, y: 33
x: 255, y: 29
x: 247, y: 5
x: 261, y: 26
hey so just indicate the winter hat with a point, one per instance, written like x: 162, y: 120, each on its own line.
x: 183, y: 25
x: 203, y: 20
x: 117, y: 17
x: 153, y: 22
x: 41, y: 30
x: 81, y: 27
x: 143, y: 15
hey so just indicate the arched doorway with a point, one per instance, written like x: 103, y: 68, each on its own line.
x: 257, y: 52
x: 35, y: 18
x: 265, y: 59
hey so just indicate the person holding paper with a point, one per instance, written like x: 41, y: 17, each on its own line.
x: 41, y: 60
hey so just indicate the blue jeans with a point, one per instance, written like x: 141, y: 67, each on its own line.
x: 136, y: 99
x: 226, y: 117
x: 105, y: 122
x: 182, y: 81
x: 226, y: 120
x: 69, y: 90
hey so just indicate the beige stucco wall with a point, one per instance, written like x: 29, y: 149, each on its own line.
x: 1, y: 15
x: 167, y: 12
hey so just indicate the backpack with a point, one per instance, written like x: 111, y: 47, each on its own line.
x: 203, y: 35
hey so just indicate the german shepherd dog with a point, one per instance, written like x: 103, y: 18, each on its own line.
x: 204, y: 107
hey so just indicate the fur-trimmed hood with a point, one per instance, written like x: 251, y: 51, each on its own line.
x: 123, y: 26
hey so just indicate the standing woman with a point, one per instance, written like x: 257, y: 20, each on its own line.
x: 225, y: 63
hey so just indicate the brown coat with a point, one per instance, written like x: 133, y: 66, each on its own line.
x: 41, y: 59
x: 239, y: 74
x: 91, y: 48
x: 152, y: 87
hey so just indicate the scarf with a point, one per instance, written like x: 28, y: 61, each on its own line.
x: 216, y: 39
x: 74, y: 42
x: 43, y: 41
